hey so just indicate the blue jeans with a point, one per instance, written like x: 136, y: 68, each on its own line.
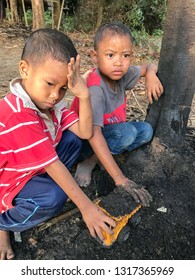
x: 41, y: 198
x: 122, y: 137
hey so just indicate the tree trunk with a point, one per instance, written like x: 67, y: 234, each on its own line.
x: 56, y: 12
x: 100, y: 13
x: 2, y: 10
x: 14, y: 11
x: 38, y: 14
x: 24, y: 11
x: 169, y: 116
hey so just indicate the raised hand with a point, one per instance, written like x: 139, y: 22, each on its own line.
x: 76, y: 83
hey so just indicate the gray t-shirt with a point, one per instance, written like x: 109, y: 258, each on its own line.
x: 109, y: 106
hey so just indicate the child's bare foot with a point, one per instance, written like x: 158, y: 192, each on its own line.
x: 84, y: 171
x: 6, y: 252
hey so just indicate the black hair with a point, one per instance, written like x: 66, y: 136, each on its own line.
x: 46, y: 42
x: 112, y: 28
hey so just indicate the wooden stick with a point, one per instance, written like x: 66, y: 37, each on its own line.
x: 24, y: 10
x: 60, y: 17
x: 52, y: 13
x: 60, y: 218
x: 137, y: 102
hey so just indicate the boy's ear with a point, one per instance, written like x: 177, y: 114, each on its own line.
x: 93, y: 54
x: 24, y: 69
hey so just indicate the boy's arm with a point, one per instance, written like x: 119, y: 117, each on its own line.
x: 77, y: 85
x: 94, y: 218
x: 153, y: 86
x: 100, y: 147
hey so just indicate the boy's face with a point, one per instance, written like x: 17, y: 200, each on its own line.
x: 45, y: 83
x: 113, y: 56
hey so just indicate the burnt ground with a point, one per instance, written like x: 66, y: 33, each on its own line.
x: 167, y: 227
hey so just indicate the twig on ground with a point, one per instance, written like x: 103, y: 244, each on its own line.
x: 133, y: 94
x: 60, y: 218
x: 57, y: 219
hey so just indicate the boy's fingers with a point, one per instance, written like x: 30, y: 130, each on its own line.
x: 71, y: 65
x: 131, y: 191
x: 149, y: 97
x: 161, y: 90
x: 147, y: 194
x: 77, y: 63
x: 139, y: 194
x: 86, y: 74
x: 134, y: 195
x: 92, y: 232
x: 110, y: 221
x: 104, y: 227
x: 98, y: 232
x: 155, y: 96
x: 144, y: 196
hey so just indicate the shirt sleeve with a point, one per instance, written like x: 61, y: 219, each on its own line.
x: 131, y: 78
x: 74, y: 106
x: 25, y: 142
x: 69, y: 117
x: 98, y: 105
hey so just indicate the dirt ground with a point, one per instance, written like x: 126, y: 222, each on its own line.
x: 167, y: 227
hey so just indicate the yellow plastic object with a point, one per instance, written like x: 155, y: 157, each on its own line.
x: 121, y: 221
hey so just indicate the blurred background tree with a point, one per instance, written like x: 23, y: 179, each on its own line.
x: 143, y: 17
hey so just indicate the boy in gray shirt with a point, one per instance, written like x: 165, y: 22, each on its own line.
x: 113, y: 48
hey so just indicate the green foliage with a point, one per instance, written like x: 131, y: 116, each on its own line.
x: 8, y: 14
x: 154, y: 12
x: 140, y: 37
x: 134, y: 18
x: 29, y: 16
x: 158, y: 32
x: 67, y: 23
x: 48, y: 18
x: 144, y: 17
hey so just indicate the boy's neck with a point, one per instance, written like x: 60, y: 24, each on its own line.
x: 110, y: 83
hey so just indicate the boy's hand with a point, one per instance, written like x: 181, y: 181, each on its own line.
x: 76, y: 83
x: 85, y: 75
x: 154, y: 88
x: 139, y: 193
x: 96, y: 220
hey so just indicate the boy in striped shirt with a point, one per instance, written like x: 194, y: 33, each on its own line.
x: 40, y: 139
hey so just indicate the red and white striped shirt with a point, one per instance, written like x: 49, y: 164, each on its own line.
x: 27, y: 140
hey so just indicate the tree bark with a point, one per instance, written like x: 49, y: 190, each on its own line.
x: 60, y: 17
x: 170, y: 115
x: 56, y: 12
x: 2, y: 10
x: 38, y: 14
x: 100, y: 13
x: 14, y: 11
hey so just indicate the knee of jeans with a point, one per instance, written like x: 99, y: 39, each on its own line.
x: 71, y: 139
x: 74, y: 140
x: 130, y: 136
x: 148, y: 132
x: 55, y: 199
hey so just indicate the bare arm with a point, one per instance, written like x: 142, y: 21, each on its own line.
x: 154, y: 88
x: 100, y: 147
x: 94, y: 218
x: 77, y: 85
x: 102, y: 151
